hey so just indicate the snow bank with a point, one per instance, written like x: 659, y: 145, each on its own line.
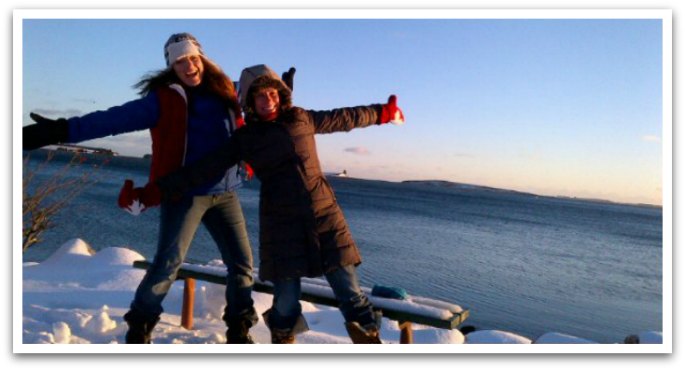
x: 78, y: 296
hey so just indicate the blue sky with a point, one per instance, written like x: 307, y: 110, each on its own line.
x: 567, y: 107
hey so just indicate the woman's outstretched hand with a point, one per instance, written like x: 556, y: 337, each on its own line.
x: 289, y: 78
x: 44, y: 132
x: 391, y: 112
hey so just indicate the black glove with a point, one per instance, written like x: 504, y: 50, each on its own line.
x: 44, y: 132
x: 288, y: 78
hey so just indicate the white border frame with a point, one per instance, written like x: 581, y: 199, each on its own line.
x: 667, y: 177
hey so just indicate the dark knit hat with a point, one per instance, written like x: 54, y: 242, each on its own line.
x: 180, y: 45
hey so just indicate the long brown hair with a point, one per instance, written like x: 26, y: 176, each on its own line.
x: 214, y: 80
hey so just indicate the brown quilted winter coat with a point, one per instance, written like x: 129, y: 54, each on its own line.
x: 302, y: 230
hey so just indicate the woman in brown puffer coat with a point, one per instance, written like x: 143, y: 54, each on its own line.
x: 303, y: 232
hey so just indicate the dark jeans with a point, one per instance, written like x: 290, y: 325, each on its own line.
x: 223, y: 218
x: 353, y: 303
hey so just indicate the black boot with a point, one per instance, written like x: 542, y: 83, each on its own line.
x: 239, y: 332
x: 239, y: 326
x: 139, y: 327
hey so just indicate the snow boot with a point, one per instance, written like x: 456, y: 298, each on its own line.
x: 282, y: 336
x: 139, y: 327
x: 239, y: 326
x: 363, y: 335
x: 285, y: 335
x: 232, y: 338
x: 239, y: 332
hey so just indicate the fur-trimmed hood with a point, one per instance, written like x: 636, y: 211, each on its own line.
x: 258, y: 77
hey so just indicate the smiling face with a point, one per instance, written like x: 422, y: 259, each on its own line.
x: 189, y: 70
x: 267, y: 103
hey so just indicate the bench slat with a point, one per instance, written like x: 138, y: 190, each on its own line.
x: 389, y: 312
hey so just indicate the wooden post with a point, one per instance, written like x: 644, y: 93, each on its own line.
x: 188, y: 301
x: 406, y: 333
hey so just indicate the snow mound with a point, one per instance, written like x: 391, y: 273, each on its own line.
x: 495, y: 337
x: 76, y: 250
x: 70, y: 326
x: 76, y: 266
x: 559, y: 338
x: 116, y: 256
x: 71, y: 251
x: 100, y: 323
x: 62, y: 332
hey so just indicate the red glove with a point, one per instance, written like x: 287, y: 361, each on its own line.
x: 391, y: 112
x: 136, y: 200
x: 150, y: 195
x: 240, y: 122
x: 249, y: 172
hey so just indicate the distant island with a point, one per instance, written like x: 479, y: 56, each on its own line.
x: 459, y: 185
x: 72, y: 148
x: 142, y: 163
x: 462, y: 186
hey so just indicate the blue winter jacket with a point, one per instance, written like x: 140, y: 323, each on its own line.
x: 209, y: 126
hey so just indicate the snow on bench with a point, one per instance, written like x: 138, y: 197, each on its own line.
x: 414, y: 309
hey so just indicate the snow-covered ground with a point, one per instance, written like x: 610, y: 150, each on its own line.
x: 78, y: 297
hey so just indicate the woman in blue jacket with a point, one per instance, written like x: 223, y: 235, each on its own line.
x: 191, y: 109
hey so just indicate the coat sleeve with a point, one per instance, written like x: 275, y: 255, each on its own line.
x: 345, y: 119
x: 135, y: 115
x: 203, y: 170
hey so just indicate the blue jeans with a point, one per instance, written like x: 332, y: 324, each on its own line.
x: 223, y: 218
x: 353, y: 303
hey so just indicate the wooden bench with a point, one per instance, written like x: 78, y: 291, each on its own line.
x: 418, y: 310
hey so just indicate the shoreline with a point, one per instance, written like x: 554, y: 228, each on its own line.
x: 139, y: 163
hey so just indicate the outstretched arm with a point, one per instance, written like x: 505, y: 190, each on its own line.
x: 346, y: 119
x: 132, y: 116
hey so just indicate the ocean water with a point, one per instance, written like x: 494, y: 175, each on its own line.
x: 519, y: 262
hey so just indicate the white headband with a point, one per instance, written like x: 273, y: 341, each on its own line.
x: 181, y: 49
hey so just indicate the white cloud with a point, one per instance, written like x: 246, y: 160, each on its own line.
x: 358, y: 150
x: 58, y: 113
x: 651, y: 138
